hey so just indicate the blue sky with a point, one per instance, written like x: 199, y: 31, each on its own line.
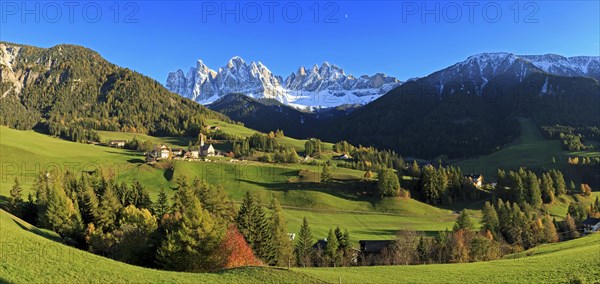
x: 400, y: 38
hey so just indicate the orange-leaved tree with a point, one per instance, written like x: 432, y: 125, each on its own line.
x: 235, y: 250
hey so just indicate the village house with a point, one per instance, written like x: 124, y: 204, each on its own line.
x: 212, y: 128
x: 342, y: 157
x: 117, y: 143
x: 372, y: 250
x: 160, y: 152
x: 177, y: 152
x: 591, y: 225
x: 476, y: 179
x: 193, y: 152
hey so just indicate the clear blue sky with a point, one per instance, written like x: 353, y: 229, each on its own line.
x: 395, y: 37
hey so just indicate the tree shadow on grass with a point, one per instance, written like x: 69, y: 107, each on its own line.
x: 136, y: 161
x: 345, y: 190
x: 39, y: 232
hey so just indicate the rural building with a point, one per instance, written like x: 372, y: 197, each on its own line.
x: 159, y: 153
x: 178, y: 152
x: 208, y: 150
x: 212, y: 128
x: 342, y: 157
x: 476, y: 179
x: 194, y: 152
x: 371, y: 251
x: 117, y: 143
x: 591, y: 225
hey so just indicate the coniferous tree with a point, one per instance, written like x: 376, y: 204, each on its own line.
x: 215, y: 201
x: 388, y: 183
x: 326, y: 173
x: 332, y: 253
x: 162, y: 204
x: 304, y: 244
x: 16, y: 198
x: 108, y: 210
x: 547, y: 187
x: 414, y: 170
x: 254, y: 225
x: 490, y: 219
x: 280, y: 237
x: 345, y: 248
x: 422, y: 250
x: 572, y: 186
x: 89, y: 205
x: 535, y: 195
x: 550, y: 233
x: 463, y: 222
x: 571, y: 228
x: 61, y: 215
x: 559, y: 182
x: 192, y: 243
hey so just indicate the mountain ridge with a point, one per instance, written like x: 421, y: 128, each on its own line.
x: 319, y: 86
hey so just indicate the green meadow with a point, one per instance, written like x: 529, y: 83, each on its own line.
x: 345, y: 202
x: 33, y: 255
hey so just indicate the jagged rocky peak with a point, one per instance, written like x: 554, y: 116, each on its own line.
x: 303, y: 88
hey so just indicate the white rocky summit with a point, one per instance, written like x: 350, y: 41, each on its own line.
x: 324, y: 86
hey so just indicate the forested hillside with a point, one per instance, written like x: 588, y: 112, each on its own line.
x: 422, y: 119
x: 68, y: 90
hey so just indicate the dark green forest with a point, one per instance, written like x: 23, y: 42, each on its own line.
x: 70, y: 90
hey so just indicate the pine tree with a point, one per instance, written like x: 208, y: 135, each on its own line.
x: 89, y: 205
x: 559, y: 182
x: 345, y: 248
x: 254, y: 225
x: 108, y: 210
x: 490, y: 219
x: 571, y: 228
x: 162, y: 204
x: 572, y: 186
x: 547, y: 187
x: 280, y: 237
x: 422, y: 250
x: 331, y: 249
x: 16, y: 198
x: 414, y: 170
x: 535, y: 195
x: 326, y: 173
x: 304, y: 244
x: 388, y: 183
x: 550, y: 233
x: 215, y: 201
x: 463, y: 222
x: 192, y: 244
x: 60, y: 214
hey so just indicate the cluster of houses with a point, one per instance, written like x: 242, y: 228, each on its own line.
x: 163, y: 152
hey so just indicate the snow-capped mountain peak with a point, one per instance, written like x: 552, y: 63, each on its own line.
x: 323, y: 86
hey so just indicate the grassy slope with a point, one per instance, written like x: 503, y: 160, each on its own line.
x: 31, y: 255
x: 532, y: 151
x: 28, y: 255
x: 529, y: 150
x: 552, y: 263
x: 24, y: 153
